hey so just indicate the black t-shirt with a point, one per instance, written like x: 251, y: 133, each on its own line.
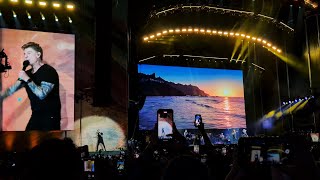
x: 50, y: 104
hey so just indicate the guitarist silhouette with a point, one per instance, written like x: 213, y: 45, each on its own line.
x: 100, y: 140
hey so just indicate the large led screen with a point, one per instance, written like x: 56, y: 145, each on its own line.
x: 216, y: 94
x: 18, y: 111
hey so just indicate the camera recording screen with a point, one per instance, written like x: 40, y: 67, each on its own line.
x: 88, y: 165
x: 43, y: 97
x: 165, y: 120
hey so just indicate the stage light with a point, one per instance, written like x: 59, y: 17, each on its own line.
x: 202, y: 30
x: 196, y: 30
x: 42, y: 3
x: 177, y: 30
x: 28, y: 14
x: 273, y: 47
x: 269, y: 45
x: 56, y: 18
x: 42, y: 16
x: 184, y: 30
x: 248, y: 37
x: 145, y: 38
x: 231, y: 34
x: 259, y: 39
x: 14, y: 14
x: 219, y: 32
x: 208, y: 31
x: 214, y: 32
x: 56, y: 5
x: 170, y: 30
x: 152, y: 36
x: 279, y: 50
x: 243, y: 35
x: 237, y: 34
x: 164, y: 32
x: 70, y: 20
x: 0, y: 14
x: 14, y: 1
x: 254, y: 38
x: 284, y: 103
x: 70, y: 6
x: 225, y: 33
x: 158, y: 34
x: 190, y: 30
x: 29, y: 2
x: 264, y: 42
x: 289, y: 102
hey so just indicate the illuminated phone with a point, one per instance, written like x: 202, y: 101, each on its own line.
x: 197, y: 120
x: 165, y: 123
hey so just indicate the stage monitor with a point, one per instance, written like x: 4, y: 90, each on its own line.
x: 46, y: 101
x: 216, y: 94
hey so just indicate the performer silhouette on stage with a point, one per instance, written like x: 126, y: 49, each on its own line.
x: 100, y: 140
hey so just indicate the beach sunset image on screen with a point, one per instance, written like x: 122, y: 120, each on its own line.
x: 216, y: 94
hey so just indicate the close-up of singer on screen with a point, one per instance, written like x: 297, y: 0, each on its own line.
x: 41, y: 82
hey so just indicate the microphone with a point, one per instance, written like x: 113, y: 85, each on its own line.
x: 25, y: 64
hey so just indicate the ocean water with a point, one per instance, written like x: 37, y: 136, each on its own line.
x: 216, y: 112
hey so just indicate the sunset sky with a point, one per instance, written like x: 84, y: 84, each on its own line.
x: 215, y: 82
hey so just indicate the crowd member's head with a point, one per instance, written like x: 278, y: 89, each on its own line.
x: 54, y: 159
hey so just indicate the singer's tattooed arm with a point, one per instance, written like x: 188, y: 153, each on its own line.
x: 41, y: 91
x: 12, y: 89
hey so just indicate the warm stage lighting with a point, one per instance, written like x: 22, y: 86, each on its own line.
x: 14, y: 1
x: 56, y: 5
x: 14, y: 14
x: 42, y: 3
x: 56, y: 19
x: 42, y: 16
x: 28, y: 14
x: 29, y: 2
x: 70, y: 20
x: 70, y: 6
x: 241, y: 36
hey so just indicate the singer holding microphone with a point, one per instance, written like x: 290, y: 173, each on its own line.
x: 41, y: 82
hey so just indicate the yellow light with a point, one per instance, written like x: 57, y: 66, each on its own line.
x: 190, y: 30
x: 158, y: 34
x: 214, y: 32
x: 259, y: 39
x: 264, y: 42
x: 269, y: 44
x: 70, y: 6
x: 184, y: 30
x: 164, y: 32
x: 196, y: 30
x: 208, y: 31
x: 42, y: 3
x: 28, y: 2
x: 170, y: 30
x: 225, y: 33
x: 14, y: 1
x: 243, y: 35
x: 201, y: 30
x: 279, y: 50
x: 56, y: 5
x: 152, y: 36
x: 231, y: 33
x: 273, y: 47
x: 237, y: 34
x: 248, y: 37
x: 254, y: 38
x: 145, y: 38
x: 177, y: 30
x: 219, y: 32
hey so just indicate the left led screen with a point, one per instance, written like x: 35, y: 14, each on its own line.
x: 30, y: 108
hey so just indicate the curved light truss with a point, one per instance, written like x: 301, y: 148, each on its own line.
x: 222, y: 10
x: 206, y: 31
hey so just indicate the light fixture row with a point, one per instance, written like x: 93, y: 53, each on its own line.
x: 42, y: 4
x: 180, y: 31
